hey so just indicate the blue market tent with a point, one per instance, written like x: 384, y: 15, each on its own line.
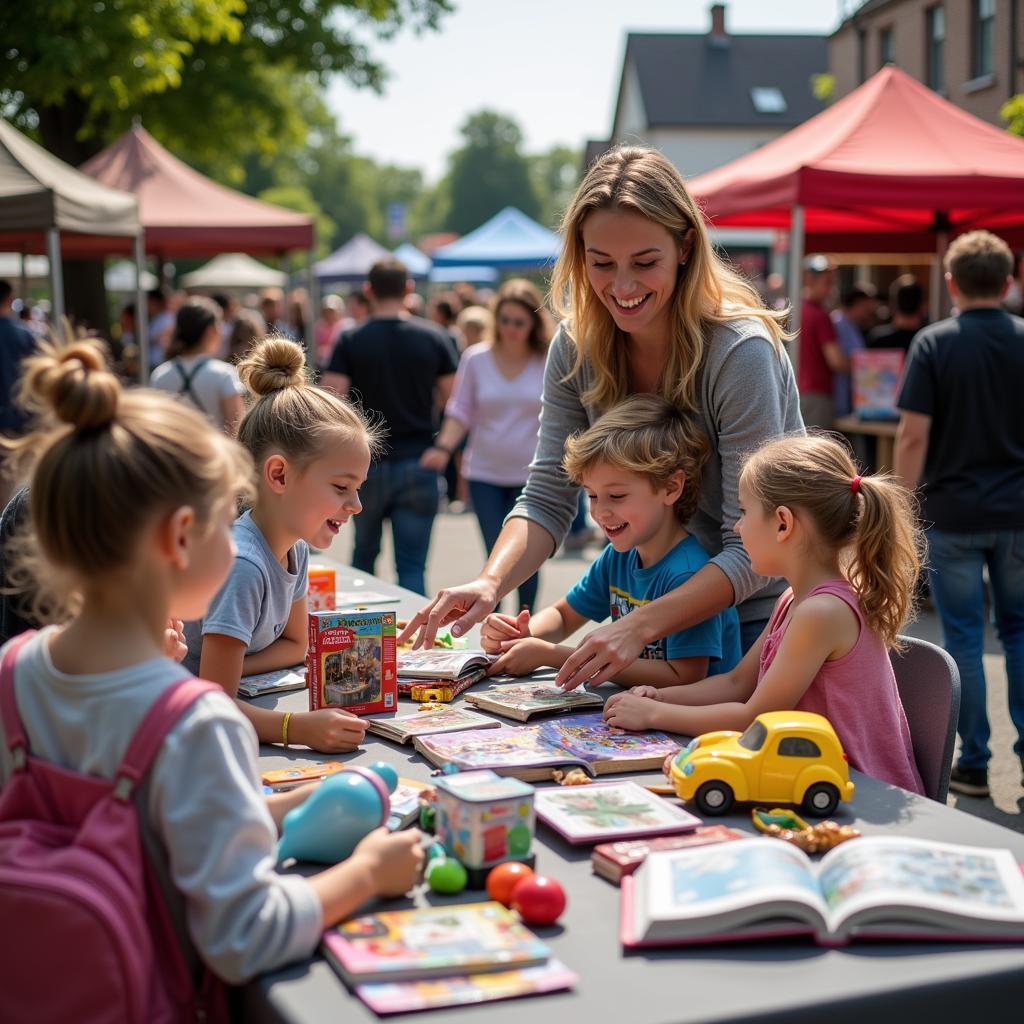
x: 416, y: 262
x: 508, y: 241
x: 351, y: 263
x: 472, y: 275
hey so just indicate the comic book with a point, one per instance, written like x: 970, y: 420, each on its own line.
x: 523, y: 700
x: 531, y: 752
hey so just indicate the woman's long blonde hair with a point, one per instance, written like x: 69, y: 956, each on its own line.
x: 875, y: 521
x: 707, y: 292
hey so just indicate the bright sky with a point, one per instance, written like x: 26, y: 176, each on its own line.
x: 553, y: 65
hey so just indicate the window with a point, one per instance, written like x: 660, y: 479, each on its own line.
x: 886, y: 47
x: 754, y: 737
x: 935, y: 40
x: 796, y: 746
x: 984, y: 26
x: 862, y: 55
x: 768, y: 99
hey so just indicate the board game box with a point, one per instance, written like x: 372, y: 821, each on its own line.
x: 352, y: 661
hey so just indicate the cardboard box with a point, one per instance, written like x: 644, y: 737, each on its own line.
x: 320, y: 596
x: 352, y: 661
x: 876, y: 375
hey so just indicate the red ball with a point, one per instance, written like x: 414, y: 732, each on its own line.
x: 539, y: 900
x: 503, y: 878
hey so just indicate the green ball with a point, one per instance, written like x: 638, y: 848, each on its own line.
x: 446, y: 875
x: 428, y: 817
x: 519, y: 839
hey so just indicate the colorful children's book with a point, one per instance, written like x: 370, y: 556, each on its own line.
x: 877, y: 888
x: 281, y: 779
x: 531, y: 752
x: 280, y: 681
x: 444, y: 690
x: 440, y: 663
x: 405, y: 996
x: 352, y: 661
x: 432, y: 942
x: 405, y: 803
x: 524, y: 700
x: 876, y: 375
x: 616, y: 860
x: 610, y: 810
x: 426, y: 723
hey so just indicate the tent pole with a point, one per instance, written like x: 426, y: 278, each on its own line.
x: 796, y: 262
x: 937, y: 288
x: 313, y: 291
x: 141, y: 310
x: 24, y: 278
x: 56, y: 282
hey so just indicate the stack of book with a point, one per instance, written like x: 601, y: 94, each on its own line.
x: 402, y: 960
x: 451, y: 672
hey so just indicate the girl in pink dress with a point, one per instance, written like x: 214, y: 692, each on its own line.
x: 849, y: 548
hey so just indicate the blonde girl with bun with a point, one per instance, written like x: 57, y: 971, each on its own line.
x: 312, y: 451
x: 647, y: 307
x: 133, y: 498
x: 849, y: 547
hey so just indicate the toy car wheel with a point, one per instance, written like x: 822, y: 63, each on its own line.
x: 715, y: 798
x: 821, y: 799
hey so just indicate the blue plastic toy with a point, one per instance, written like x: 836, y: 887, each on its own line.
x: 345, y: 807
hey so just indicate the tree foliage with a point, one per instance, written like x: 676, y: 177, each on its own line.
x: 1012, y: 112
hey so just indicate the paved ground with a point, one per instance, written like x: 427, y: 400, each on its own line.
x: 457, y: 553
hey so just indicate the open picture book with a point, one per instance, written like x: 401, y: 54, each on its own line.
x: 522, y: 701
x: 530, y: 752
x: 279, y: 681
x: 439, y: 663
x: 424, y: 723
x: 872, y: 888
x: 432, y: 942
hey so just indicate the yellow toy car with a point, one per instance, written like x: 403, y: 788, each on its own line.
x: 791, y: 757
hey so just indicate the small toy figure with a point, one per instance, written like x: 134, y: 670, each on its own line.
x: 573, y: 777
x: 783, y: 824
x: 784, y: 756
x: 484, y: 819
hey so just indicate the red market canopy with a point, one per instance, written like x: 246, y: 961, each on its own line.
x: 887, y: 168
x: 185, y: 214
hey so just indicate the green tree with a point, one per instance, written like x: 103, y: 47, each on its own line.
x: 298, y: 197
x: 555, y: 175
x: 1012, y: 112
x: 488, y: 172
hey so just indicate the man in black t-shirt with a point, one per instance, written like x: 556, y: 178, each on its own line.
x: 961, y: 437
x: 400, y: 369
x: 906, y: 306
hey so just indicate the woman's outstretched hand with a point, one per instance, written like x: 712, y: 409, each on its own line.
x: 601, y: 654
x: 464, y: 606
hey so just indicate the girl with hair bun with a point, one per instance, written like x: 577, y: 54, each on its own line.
x: 210, y: 384
x: 849, y: 547
x: 133, y: 495
x: 312, y: 452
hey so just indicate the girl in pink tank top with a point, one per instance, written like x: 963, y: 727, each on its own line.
x: 848, y: 546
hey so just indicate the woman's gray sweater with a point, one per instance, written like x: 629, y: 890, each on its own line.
x: 747, y: 395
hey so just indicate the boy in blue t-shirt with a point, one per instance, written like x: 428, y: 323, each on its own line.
x: 640, y: 464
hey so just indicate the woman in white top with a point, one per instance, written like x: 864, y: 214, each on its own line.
x: 496, y: 400
x: 208, y: 383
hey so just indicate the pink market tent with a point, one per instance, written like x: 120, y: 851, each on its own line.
x: 892, y: 167
x: 185, y: 214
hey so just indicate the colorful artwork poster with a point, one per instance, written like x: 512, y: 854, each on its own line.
x: 590, y: 739
x: 606, y: 811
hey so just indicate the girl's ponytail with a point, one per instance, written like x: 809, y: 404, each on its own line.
x: 886, y: 559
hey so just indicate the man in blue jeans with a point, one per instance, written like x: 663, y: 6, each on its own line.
x: 400, y: 369
x: 961, y: 436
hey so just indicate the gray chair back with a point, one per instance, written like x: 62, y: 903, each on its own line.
x: 929, y: 685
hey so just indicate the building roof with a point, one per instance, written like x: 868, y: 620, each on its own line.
x: 690, y: 80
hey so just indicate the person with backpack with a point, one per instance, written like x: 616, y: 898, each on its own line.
x: 193, y: 372
x: 137, y: 849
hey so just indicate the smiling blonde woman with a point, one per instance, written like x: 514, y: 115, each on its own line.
x: 647, y: 306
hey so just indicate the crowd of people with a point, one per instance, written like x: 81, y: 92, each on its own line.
x: 750, y: 566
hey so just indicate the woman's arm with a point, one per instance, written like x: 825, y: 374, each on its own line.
x: 449, y: 438
x: 232, y: 409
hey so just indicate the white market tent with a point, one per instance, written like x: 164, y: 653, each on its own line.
x: 351, y: 263
x: 235, y: 270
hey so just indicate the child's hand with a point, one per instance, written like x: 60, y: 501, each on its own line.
x: 522, y: 657
x: 627, y: 711
x: 329, y: 730
x: 174, y: 639
x: 666, y: 768
x: 644, y: 691
x: 394, y: 859
x: 498, y: 629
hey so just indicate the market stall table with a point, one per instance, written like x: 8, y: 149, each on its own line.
x: 791, y: 980
x: 883, y: 430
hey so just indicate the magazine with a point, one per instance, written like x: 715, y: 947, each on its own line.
x: 441, y: 663
x: 530, y: 752
x: 616, y: 860
x: 424, y: 723
x: 279, y: 681
x: 879, y: 888
x: 432, y: 942
x: 610, y: 810
x: 404, y: 996
x: 524, y: 700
